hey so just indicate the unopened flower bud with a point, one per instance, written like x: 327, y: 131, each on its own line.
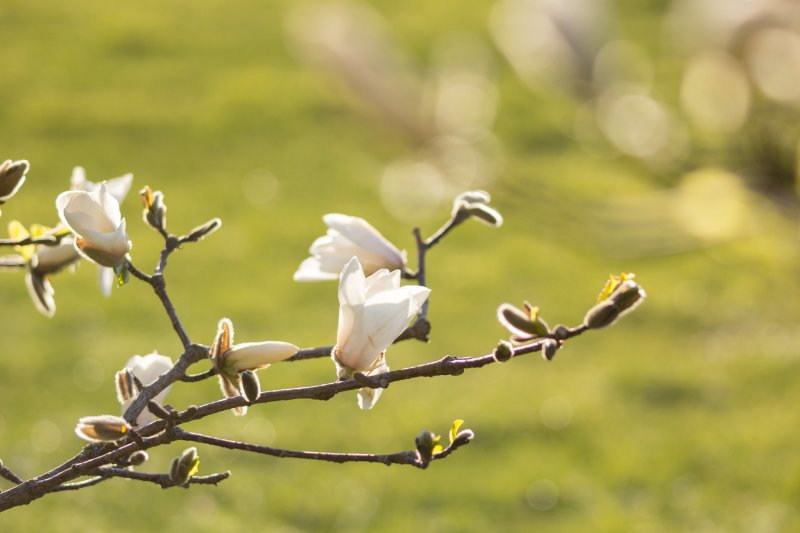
x: 525, y: 325
x: 425, y: 442
x: 601, y: 315
x: 203, y: 230
x: 475, y: 204
x: 486, y: 214
x: 12, y: 176
x: 250, y: 386
x: 155, y: 210
x: 627, y: 296
x: 549, y: 349
x: 503, y: 352
x: 126, y: 385
x: 185, y: 466
x: 137, y: 458
x: 103, y: 428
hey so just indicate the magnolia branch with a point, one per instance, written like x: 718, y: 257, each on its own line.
x: 47, y: 240
x: 405, y: 457
x: 97, y: 456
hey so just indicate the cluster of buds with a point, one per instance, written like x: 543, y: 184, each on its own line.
x: 620, y: 295
x: 429, y: 445
x: 184, y: 467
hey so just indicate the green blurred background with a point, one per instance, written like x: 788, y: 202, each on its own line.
x: 655, y: 137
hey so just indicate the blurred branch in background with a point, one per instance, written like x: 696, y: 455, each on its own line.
x: 445, y: 114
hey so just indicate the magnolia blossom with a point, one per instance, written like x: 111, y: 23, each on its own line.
x: 348, y: 237
x: 40, y: 261
x: 45, y: 261
x: 146, y: 369
x: 116, y: 187
x: 230, y: 359
x: 95, y: 219
x: 373, y: 311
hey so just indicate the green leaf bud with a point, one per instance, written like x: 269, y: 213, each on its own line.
x: 425, y: 442
x: 503, y: 352
x: 627, y: 296
x: 549, y: 349
x: 138, y: 457
x: 525, y: 325
x: 185, y: 466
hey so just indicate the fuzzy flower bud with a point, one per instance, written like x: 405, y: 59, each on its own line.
x: 12, y: 176
x: 184, y: 467
x: 476, y: 204
x: 103, y: 428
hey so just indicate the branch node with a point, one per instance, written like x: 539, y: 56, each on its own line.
x: 366, y: 381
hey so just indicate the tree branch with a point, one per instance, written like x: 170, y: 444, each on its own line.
x: 405, y: 458
x: 47, y: 240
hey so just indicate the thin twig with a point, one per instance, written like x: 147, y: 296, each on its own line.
x: 160, y: 479
x: 5, y: 473
x: 405, y: 457
x: 46, y: 240
x: 80, y: 484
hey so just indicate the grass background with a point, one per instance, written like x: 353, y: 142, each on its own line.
x: 678, y: 418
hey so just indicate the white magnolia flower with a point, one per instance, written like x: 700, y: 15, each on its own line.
x: 40, y: 261
x: 95, y: 219
x: 231, y: 359
x: 348, y: 237
x: 373, y: 312
x: 46, y: 261
x: 147, y: 369
x: 116, y: 187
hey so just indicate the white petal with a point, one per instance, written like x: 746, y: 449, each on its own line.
x: 352, y: 284
x: 108, y: 203
x: 119, y: 187
x: 255, y: 355
x: 362, y: 234
x: 381, y: 281
x: 367, y: 397
x: 78, y: 181
x: 311, y: 270
x: 106, y: 276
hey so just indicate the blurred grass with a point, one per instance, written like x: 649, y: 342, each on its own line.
x: 678, y: 418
